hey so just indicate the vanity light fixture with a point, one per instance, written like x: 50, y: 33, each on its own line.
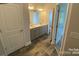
x: 31, y: 7
x: 40, y: 9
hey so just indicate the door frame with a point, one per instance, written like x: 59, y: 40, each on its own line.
x: 63, y: 40
x: 58, y: 11
x: 69, y: 7
x: 55, y: 24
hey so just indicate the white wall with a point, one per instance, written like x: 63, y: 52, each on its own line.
x: 27, y: 24
x: 44, y: 17
x: 72, y: 39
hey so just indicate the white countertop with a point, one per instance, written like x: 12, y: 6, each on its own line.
x: 35, y: 26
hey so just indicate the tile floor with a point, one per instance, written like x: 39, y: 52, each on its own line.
x: 39, y: 47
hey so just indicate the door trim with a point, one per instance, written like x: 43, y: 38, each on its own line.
x: 69, y: 8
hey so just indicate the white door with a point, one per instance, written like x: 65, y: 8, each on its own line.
x: 11, y: 19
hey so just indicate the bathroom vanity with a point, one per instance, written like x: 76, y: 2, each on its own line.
x: 38, y: 30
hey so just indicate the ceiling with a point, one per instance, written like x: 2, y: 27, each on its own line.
x: 45, y: 6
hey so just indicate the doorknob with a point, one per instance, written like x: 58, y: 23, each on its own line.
x: 21, y: 30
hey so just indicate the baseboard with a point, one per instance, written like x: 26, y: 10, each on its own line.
x: 27, y: 43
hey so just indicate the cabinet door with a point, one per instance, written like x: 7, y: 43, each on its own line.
x: 11, y: 19
x: 45, y: 29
